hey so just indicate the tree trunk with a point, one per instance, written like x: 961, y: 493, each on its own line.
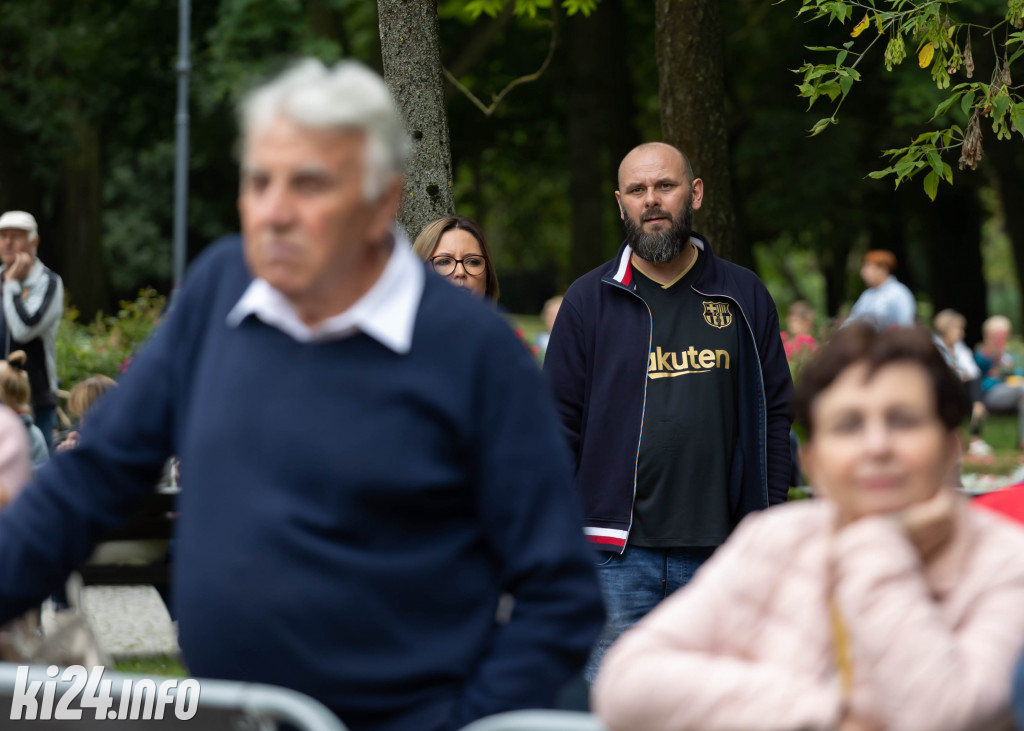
x: 952, y: 227
x: 411, y: 53
x: 691, y: 90
x: 833, y: 261
x: 589, y: 192
x: 77, y: 252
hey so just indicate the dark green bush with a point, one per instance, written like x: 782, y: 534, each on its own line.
x: 107, y: 344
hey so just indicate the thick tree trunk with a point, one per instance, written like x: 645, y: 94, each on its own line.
x: 411, y: 51
x: 589, y: 191
x: 77, y: 252
x: 691, y: 91
x: 957, y: 272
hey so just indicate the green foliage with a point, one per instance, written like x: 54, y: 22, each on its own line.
x: 107, y: 344
x: 943, y: 46
x: 159, y: 666
x: 529, y: 8
x: 1000, y: 270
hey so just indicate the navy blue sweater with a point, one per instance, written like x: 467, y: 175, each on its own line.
x: 349, y: 517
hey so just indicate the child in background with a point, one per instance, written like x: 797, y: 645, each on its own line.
x: 16, y: 394
x: 549, y: 313
x: 1002, y: 385
x: 82, y: 398
x: 799, y: 333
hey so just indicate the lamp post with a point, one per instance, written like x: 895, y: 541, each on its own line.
x: 181, y: 144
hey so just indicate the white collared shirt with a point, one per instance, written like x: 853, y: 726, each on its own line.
x: 387, y: 312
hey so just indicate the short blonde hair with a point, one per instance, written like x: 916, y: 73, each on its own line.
x: 947, y: 319
x: 996, y: 323
x: 84, y: 395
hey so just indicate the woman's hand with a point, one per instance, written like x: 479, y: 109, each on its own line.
x: 70, y: 442
x: 929, y: 525
x: 852, y: 722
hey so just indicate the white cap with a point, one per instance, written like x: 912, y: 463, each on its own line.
x: 19, y: 219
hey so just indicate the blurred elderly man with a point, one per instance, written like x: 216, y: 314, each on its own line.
x: 369, y: 458
x: 33, y: 302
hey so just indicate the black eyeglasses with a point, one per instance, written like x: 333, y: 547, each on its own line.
x: 474, y: 264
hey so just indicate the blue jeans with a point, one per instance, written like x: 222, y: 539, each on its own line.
x: 633, y: 583
x: 46, y: 420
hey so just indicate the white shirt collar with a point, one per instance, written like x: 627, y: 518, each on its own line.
x: 387, y: 312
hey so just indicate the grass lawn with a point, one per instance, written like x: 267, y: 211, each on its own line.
x: 1000, y: 431
x: 531, y: 325
x: 162, y: 665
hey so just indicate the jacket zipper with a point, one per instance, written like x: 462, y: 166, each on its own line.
x: 643, y: 409
x: 764, y: 398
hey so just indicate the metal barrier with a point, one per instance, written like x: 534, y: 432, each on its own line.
x: 538, y: 721
x: 30, y: 695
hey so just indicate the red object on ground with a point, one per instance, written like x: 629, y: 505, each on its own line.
x: 1009, y: 501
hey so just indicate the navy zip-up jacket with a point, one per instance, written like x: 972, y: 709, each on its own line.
x: 596, y: 366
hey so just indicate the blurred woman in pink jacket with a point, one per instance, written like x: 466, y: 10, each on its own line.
x: 888, y: 604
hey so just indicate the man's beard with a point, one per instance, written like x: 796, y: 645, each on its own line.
x: 658, y: 247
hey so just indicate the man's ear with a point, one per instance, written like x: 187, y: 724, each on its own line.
x: 387, y: 206
x: 697, y: 186
x: 618, y: 201
x: 809, y: 465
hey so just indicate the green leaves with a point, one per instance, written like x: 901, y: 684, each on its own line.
x: 924, y: 153
x: 821, y: 125
x: 476, y: 8
x: 579, y: 6
x: 937, y: 39
x: 529, y: 8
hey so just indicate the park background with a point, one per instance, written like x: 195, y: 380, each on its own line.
x: 87, y: 135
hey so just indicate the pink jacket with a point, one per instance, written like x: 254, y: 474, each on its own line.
x: 15, y: 464
x: 750, y: 644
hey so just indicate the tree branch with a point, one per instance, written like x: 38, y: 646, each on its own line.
x: 488, y: 110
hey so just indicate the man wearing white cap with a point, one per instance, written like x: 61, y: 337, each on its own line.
x: 33, y: 301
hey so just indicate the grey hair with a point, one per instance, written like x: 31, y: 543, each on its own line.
x: 347, y: 96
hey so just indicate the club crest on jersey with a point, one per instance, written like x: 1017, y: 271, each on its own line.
x: 717, y: 314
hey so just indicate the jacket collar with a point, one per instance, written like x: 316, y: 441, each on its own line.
x: 620, y: 268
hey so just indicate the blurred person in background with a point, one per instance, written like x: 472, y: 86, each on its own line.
x: 33, y: 302
x: 798, y: 337
x: 1002, y: 385
x: 16, y: 395
x: 548, y: 315
x: 81, y: 399
x: 455, y: 248
x: 891, y: 603
x: 15, y: 458
x: 950, y: 326
x: 887, y: 302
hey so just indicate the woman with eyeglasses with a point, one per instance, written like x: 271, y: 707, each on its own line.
x: 456, y: 249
